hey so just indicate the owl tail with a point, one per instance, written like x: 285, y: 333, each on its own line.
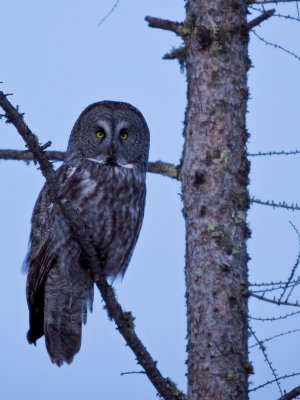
x: 66, y: 300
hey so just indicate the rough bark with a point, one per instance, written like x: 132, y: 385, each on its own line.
x: 214, y: 177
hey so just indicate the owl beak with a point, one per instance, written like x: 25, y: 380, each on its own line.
x: 111, y: 159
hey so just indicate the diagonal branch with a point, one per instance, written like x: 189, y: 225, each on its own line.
x: 124, y: 321
x: 291, y: 395
x: 266, y: 357
x: 276, y: 46
x: 157, y: 167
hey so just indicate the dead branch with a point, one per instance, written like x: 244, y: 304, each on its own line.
x: 293, y: 270
x: 281, y: 317
x: 276, y: 46
x: 163, y: 24
x: 274, y: 380
x: 270, y: 1
x: 291, y: 395
x: 157, y: 167
x: 274, y: 337
x: 109, y: 13
x: 274, y: 301
x: 132, y: 373
x: 274, y: 153
x: 290, y: 207
x: 266, y: 357
x: 165, y: 387
x: 258, y: 20
x: 278, y: 15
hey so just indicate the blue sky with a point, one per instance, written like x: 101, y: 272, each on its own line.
x: 57, y: 60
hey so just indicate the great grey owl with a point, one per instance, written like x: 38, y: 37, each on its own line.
x: 103, y: 175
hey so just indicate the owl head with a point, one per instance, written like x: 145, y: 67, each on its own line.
x: 111, y: 133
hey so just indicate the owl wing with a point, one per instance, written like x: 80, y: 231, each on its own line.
x: 59, y: 289
x: 40, y: 257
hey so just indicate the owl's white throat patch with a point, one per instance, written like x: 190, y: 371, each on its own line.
x: 104, y: 162
x: 97, y: 161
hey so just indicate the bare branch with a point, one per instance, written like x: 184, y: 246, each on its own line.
x: 275, y: 288
x: 124, y: 321
x: 293, y: 270
x: 157, y: 167
x: 266, y: 357
x: 287, y: 16
x: 274, y: 337
x: 274, y: 301
x: 272, y: 319
x: 275, y: 380
x: 280, y: 283
x: 278, y: 15
x: 163, y: 24
x: 276, y: 46
x: 291, y: 395
x: 26, y: 155
x: 270, y: 1
x: 109, y: 13
x: 275, y: 153
x: 132, y: 372
x: 291, y: 207
x: 258, y: 20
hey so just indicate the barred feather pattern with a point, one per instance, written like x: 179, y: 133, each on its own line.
x: 59, y: 286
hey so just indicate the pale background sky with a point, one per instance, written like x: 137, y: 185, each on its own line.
x: 57, y: 60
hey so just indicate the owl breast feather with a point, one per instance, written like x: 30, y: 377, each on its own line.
x: 111, y: 201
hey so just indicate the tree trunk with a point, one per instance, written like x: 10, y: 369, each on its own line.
x: 214, y: 177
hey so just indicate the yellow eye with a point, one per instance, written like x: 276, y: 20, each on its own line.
x: 123, y: 135
x: 100, y: 134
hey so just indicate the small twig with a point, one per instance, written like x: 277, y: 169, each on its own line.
x: 291, y: 394
x: 157, y: 167
x: 275, y: 318
x: 109, y: 13
x: 270, y: 1
x: 274, y: 337
x: 274, y: 153
x: 266, y: 357
x: 278, y: 15
x: 289, y: 17
x: 291, y: 207
x: 163, y: 24
x: 274, y: 301
x: 132, y: 372
x: 165, y: 387
x: 274, y: 380
x: 258, y: 20
x: 273, y: 283
x: 294, y: 268
x: 276, y: 46
x: 274, y: 288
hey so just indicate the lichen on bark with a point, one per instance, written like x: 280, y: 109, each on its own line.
x: 214, y: 176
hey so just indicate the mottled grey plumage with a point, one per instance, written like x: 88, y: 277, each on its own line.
x: 104, y: 176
